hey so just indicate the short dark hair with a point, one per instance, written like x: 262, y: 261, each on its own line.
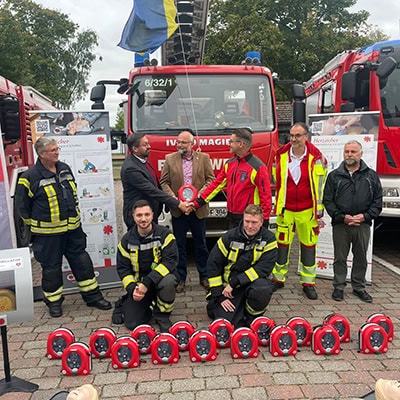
x: 188, y: 130
x: 254, y: 209
x: 133, y: 140
x: 303, y: 125
x: 140, y: 204
x: 244, y: 134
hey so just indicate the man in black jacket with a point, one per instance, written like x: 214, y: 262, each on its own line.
x: 146, y: 264
x: 352, y: 198
x: 238, y: 269
x: 140, y: 181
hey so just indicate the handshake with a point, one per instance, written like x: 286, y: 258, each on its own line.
x: 187, y: 207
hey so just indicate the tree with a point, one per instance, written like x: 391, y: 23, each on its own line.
x: 296, y: 38
x: 120, y: 120
x: 43, y: 48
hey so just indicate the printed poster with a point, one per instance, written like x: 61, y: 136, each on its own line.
x: 330, y: 132
x: 84, y: 141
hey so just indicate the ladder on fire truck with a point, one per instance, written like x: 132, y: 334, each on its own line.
x: 186, y: 45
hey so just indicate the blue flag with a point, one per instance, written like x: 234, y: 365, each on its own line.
x: 150, y: 24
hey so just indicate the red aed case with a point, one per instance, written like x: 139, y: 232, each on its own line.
x: 303, y: 330
x: 262, y: 327
x: 341, y: 324
x: 372, y: 339
x: 182, y: 330
x: 222, y: 329
x: 76, y: 359
x: 164, y: 349
x: 58, y: 341
x: 283, y: 341
x: 144, y: 335
x: 100, y: 342
x: 385, y: 321
x: 244, y: 343
x: 202, y: 346
x: 125, y: 353
x: 325, y: 340
x: 187, y: 193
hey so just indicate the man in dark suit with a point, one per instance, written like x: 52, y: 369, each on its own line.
x: 140, y: 181
x: 187, y: 166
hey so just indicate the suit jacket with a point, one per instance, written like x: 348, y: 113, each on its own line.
x: 172, y: 177
x: 138, y: 184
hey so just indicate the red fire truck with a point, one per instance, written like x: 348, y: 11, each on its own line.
x: 15, y: 103
x: 367, y: 79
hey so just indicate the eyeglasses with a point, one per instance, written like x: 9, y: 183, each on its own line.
x: 182, y: 142
x: 297, y: 136
x: 145, y: 145
x: 52, y: 150
x: 234, y: 141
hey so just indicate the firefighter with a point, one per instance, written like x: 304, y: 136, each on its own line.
x: 46, y: 197
x: 299, y: 170
x: 238, y: 267
x: 146, y: 263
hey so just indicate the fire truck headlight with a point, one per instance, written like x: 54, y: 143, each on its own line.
x: 390, y: 192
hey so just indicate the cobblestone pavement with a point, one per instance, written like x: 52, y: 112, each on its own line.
x: 347, y: 375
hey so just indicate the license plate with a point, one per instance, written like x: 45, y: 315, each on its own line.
x: 219, y: 212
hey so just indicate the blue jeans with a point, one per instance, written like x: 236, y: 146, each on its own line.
x: 181, y: 226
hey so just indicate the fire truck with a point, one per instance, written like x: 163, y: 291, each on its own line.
x: 366, y: 79
x: 212, y: 100
x: 15, y: 103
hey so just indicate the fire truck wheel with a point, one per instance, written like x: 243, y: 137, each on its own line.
x: 22, y: 231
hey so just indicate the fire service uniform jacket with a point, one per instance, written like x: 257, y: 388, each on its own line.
x: 150, y: 260
x: 247, y: 182
x: 48, y: 203
x: 244, y: 263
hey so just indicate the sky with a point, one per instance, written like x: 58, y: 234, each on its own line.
x: 107, y: 18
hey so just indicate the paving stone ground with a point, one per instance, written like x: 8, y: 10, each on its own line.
x: 348, y: 375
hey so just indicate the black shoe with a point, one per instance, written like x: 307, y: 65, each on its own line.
x: 102, y: 304
x: 117, y: 317
x: 337, y: 294
x: 277, y: 285
x: 164, y: 324
x: 310, y: 292
x: 363, y: 295
x: 55, y: 310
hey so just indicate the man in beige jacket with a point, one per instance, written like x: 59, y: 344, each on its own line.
x: 187, y: 166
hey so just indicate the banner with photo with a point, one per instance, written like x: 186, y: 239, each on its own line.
x: 330, y: 132
x: 84, y: 142
x: 7, y: 237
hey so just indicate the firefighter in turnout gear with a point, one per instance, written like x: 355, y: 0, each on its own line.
x: 146, y: 263
x: 238, y: 267
x: 47, y: 201
x: 299, y: 170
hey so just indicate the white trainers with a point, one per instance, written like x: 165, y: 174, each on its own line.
x: 387, y: 390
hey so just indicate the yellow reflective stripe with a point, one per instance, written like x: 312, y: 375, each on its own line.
x: 53, y: 203
x: 222, y: 247
x: 48, y: 231
x: 127, y: 280
x: 73, y: 186
x: 251, y: 273
x: 215, y: 191
x: 162, y: 270
x: 252, y: 311
x: 57, y: 224
x: 122, y: 250
x: 233, y: 254
x: 270, y: 246
x: 27, y: 184
x: 54, y: 296
x: 215, y: 281
x: 164, y: 307
x: 170, y: 237
x: 88, y: 285
x: 256, y: 197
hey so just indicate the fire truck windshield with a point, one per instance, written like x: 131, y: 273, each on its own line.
x: 390, y: 98
x: 203, y: 102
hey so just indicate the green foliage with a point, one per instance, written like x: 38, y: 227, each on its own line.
x: 296, y: 38
x: 43, y: 48
x: 119, y: 120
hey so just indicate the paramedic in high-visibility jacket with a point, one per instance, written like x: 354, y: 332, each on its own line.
x: 239, y: 267
x: 245, y: 177
x: 299, y: 170
x: 146, y: 264
x: 46, y: 197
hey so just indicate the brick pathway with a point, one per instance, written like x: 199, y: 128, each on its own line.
x: 304, y: 376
